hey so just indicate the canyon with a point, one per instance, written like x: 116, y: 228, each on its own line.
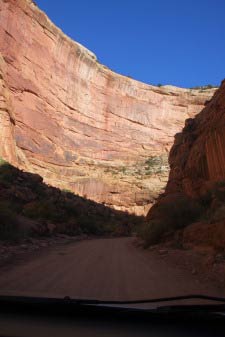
x: 81, y: 126
x: 95, y: 166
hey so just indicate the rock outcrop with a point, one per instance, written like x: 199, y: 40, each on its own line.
x: 78, y: 124
x: 197, y: 158
x: 197, y: 162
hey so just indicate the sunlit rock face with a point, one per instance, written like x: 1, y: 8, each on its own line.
x: 81, y: 126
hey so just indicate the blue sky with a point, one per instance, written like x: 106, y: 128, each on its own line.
x: 169, y: 42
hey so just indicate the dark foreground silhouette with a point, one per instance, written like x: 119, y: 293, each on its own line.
x: 29, y: 207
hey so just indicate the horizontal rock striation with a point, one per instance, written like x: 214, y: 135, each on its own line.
x: 77, y: 123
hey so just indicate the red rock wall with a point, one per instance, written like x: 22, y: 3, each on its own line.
x: 7, y: 120
x: 197, y: 158
x: 215, y: 154
x: 77, y: 123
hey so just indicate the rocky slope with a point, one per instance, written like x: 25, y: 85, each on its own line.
x: 195, y: 192
x: 31, y: 208
x: 78, y: 124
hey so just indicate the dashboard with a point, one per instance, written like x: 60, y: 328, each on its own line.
x: 30, y: 324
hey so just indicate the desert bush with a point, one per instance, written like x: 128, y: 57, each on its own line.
x: 30, y: 198
x: 7, y: 174
x: 2, y: 161
x: 152, y: 161
x: 218, y: 215
x: 180, y: 213
x: 213, y: 202
x: 170, y: 215
x: 40, y: 210
x: 204, y: 87
x: 156, y: 164
x: 206, y: 199
x: 10, y: 229
x: 218, y: 191
x: 46, y: 210
x: 70, y: 228
x: 90, y: 225
x: 152, y: 232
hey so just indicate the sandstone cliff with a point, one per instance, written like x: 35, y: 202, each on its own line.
x: 197, y: 179
x: 197, y: 157
x: 78, y: 124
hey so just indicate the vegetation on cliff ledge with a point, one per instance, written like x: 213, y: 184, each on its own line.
x: 205, y: 87
x: 152, y: 165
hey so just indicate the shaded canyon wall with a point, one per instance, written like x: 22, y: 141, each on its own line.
x: 197, y: 158
x: 197, y: 176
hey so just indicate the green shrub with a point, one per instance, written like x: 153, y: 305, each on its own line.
x: 152, y: 232
x: 7, y: 174
x: 2, y: 161
x: 39, y: 210
x: 180, y: 213
x: 29, y: 197
x: 90, y: 225
x: 156, y: 164
x: 218, y: 215
x: 206, y: 199
x: 10, y: 228
x: 123, y: 169
x: 152, y: 161
x: 170, y: 215
x: 204, y: 87
x: 213, y: 202
x: 218, y: 192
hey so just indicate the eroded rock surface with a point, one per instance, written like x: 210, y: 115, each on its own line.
x: 77, y: 123
x: 197, y: 161
x: 197, y: 158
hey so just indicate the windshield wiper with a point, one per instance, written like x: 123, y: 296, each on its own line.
x: 77, y: 301
x: 94, y: 306
x: 175, y: 308
x: 152, y: 300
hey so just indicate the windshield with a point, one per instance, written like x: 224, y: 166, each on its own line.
x: 110, y: 189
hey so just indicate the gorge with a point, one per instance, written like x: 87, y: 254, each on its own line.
x: 96, y: 166
x: 79, y: 125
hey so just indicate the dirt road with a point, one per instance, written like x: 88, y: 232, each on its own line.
x: 100, y: 268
